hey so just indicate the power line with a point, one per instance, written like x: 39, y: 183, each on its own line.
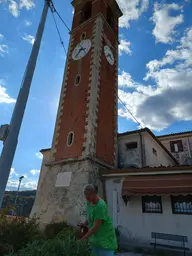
x: 53, y: 9
x: 129, y: 111
x: 61, y: 41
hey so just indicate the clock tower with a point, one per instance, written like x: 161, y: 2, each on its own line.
x: 85, y: 136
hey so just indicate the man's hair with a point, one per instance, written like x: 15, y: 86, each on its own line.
x: 90, y: 188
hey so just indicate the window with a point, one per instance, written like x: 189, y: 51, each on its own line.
x: 110, y: 18
x: 152, y: 204
x: 154, y: 151
x: 83, y: 36
x: 131, y: 145
x: 176, y: 146
x: 77, y: 79
x: 86, y: 12
x: 181, y: 204
x: 70, y: 138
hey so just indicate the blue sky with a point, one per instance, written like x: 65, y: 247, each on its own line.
x: 155, y: 72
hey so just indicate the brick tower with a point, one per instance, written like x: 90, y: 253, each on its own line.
x: 86, y: 127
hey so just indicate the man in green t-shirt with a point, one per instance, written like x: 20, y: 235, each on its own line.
x: 101, y: 232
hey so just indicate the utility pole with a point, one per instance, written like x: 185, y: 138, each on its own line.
x: 9, y: 133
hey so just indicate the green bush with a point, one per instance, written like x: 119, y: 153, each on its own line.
x: 16, y: 233
x: 55, y: 247
x: 53, y: 229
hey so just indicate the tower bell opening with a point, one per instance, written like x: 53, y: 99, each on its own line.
x: 86, y: 12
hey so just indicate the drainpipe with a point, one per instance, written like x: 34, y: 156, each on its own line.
x: 141, y: 148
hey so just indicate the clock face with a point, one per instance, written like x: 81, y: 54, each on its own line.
x: 81, y: 49
x: 109, y: 55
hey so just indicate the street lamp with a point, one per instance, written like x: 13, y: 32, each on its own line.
x: 19, y: 185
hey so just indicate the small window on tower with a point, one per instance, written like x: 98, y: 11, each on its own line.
x: 77, y: 79
x: 86, y: 12
x: 70, y: 139
x: 110, y: 18
x: 83, y: 36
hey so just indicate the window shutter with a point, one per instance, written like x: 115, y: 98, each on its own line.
x: 180, y: 146
x: 172, y: 146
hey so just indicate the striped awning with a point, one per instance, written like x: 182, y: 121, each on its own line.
x: 157, y: 184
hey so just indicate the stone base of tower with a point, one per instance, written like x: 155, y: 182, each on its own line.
x: 67, y: 202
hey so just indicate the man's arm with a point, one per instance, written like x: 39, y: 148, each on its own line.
x: 93, y: 230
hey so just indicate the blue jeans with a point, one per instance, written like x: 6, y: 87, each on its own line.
x: 102, y: 252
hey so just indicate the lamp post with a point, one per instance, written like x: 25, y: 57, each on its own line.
x: 19, y: 185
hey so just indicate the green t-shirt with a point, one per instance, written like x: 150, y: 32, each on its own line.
x: 105, y: 236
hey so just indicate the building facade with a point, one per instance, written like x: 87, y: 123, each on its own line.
x: 180, y: 145
x: 142, y: 148
x: 147, y: 200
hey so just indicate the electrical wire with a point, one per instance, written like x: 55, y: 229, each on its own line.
x: 61, y: 41
x: 53, y: 9
x: 129, y: 112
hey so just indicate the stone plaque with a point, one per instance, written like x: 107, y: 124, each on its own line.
x: 63, y: 179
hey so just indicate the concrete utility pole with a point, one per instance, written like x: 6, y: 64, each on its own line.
x: 10, y: 135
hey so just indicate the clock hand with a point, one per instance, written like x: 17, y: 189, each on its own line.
x: 78, y: 53
x: 82, y: 49
x: 109, y: 55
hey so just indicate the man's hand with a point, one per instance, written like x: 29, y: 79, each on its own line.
x: 92, y: 231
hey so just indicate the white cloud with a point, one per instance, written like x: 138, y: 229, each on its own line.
x: 169, y: 100
x: 124, y: 47
x: 13, y: 8
x: 165, y: 24
x: 39, y: 155
x: 30, y: 39
x: 28, y: 23
x: 34, y: 172
x: 125, y: 80
x: 26, y: 184
x: 3, y: 47
x: 13, y: 172
x: 28, y: 4
x: 132, y: 10
x: 4, y: 97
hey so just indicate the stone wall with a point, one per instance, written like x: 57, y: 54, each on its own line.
x: 64, y: 203
x: 126, y: 157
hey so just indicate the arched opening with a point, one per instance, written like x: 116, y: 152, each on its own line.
x: 83, y: 36
x: 86, y: 12
x: 77, y: 79
x: 70, y: 139
x: 110, y: 18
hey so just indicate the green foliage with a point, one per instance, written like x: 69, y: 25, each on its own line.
x: 25, y: 201
x: 53, y: 229
x: 55, y: 247
x: 16, y: 233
